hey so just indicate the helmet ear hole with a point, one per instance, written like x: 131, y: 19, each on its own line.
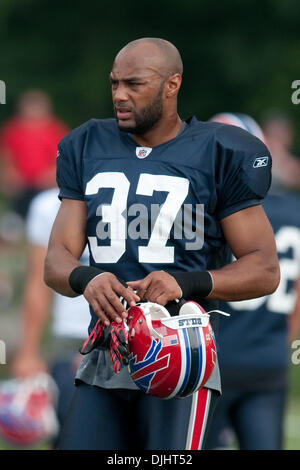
x: 158, y: 312
x: 190, y: 308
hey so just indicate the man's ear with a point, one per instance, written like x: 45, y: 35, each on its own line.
x: 172, y: 85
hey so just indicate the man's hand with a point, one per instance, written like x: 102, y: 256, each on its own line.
x: 159, y: 287
x: 103, y: 294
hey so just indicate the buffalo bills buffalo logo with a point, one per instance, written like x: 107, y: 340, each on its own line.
x: 142, y: 372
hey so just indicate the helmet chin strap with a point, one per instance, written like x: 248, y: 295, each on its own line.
x: 220, y: 312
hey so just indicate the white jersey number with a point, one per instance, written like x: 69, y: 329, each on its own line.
x: 114, y: 216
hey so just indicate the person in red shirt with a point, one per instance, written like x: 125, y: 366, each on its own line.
x: 28, y: 146
x: 279, y: 135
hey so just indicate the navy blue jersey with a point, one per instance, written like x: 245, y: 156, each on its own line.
x: 255, y: 336
x: 160, y: 208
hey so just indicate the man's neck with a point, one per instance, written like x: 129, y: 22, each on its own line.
x: 165, y: 131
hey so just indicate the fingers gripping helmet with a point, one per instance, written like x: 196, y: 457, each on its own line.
x: 170, y: 356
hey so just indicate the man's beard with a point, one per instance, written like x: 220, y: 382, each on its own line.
x: 147, y: 117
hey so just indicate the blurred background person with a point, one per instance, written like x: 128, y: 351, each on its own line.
x: 53, y: 326
x: 279, y: 135
x: 255, y: 341
x: 28, y: 147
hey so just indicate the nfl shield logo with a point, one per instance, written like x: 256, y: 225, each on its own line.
x: 143, y: 152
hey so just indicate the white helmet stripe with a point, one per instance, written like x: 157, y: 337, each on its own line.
x: 202, y: 349
x: 185, y: 360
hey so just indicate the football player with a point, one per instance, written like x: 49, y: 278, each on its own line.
x: 254, y: 345
x: 158, y: 199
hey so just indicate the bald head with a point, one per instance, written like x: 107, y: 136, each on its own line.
x: 145, y: 81
x: 156, y: 53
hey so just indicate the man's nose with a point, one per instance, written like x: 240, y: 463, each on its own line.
x: 120, y: 93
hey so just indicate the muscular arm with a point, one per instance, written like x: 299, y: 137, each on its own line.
x: 256, y: 270
x: 66, y: 244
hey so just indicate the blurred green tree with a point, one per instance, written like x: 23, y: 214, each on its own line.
x: 238, y: 56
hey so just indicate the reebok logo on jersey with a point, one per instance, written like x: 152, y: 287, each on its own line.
x: 260, y: 161
x: 143, y: 152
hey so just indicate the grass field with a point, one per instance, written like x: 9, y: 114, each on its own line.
x: 292, y: 419
x: 292, y: 426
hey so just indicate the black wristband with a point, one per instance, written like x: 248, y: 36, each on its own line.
x: 81, y: 276
x: 197, y: 283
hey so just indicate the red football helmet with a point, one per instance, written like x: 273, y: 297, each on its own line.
x: 27, y: 411
x: 170, y: 356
